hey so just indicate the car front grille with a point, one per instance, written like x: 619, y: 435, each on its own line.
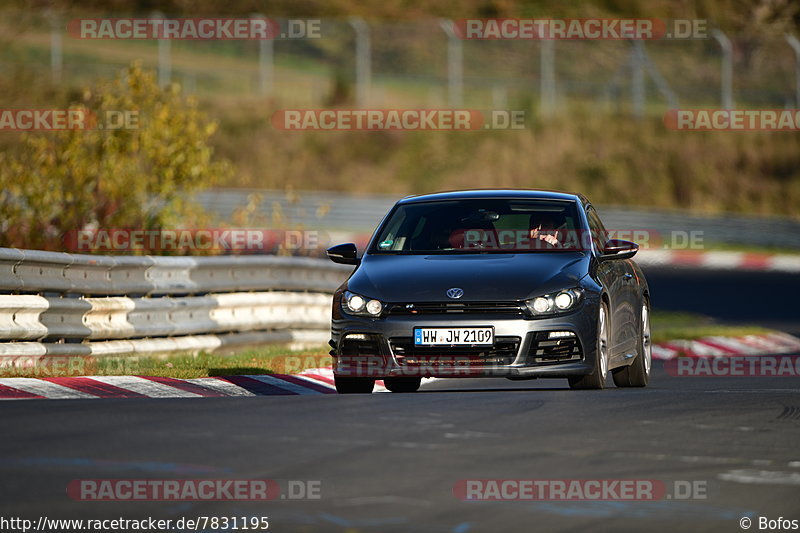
x: 543, y: 349
x: 443, y: 308
x: 504, y: 352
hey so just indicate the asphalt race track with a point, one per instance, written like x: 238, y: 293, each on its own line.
x: 390, y: 462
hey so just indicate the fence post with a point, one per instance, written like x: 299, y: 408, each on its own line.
x: 637, y: 78
x: 727, y: 68
x: 164, y: 64
x: 455, y: 64
x: 363, y: 60
x: 661, y: 83
x: 266, y: 54
x: 499, y: 97
x: 795, y: 44
x: 547, y: 76
x: 56, y: 48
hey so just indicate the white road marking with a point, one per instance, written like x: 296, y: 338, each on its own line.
x: 735, y: 345
x: 737, y: 391
x: 286, y: 385
x: 45, y: 388
x: 761, y: 477
x: 419, y: 445
x: 468, y: 435
x: 722, y: 259
x: 788, y: 342
x: 222, y: 386
x: 144, y: 386
x: 315, y: 381
x: 662, y: 352
x: 710, y: 459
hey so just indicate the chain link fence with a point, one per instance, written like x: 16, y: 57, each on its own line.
x: 416, y: 64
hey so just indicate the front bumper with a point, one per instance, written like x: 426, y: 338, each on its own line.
x: 384, y: 347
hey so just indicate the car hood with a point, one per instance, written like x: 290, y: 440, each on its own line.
x: 483, y: 277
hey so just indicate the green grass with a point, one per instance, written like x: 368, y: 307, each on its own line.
x: 275, y: 359
x: 667, y: 326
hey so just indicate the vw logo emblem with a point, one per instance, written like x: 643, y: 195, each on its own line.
x: 455, y: 293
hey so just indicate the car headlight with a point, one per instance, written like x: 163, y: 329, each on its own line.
x: 554, y: 303
x: 355, y: 304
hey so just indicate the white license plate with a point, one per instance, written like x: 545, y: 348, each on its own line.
x: 469, y: 336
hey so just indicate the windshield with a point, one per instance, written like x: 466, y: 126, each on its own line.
x: 481, y: 226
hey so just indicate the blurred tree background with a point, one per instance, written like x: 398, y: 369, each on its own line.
x: 752, y: 16
x: 136, y: 177
x: 61, y: 181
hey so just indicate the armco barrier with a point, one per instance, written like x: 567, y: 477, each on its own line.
x: 360, y: 213
x: 68, y: 304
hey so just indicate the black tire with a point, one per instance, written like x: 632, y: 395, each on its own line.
x: 637, y: 374
x: 402, y: 384
x: 346, y: 385
x: 597, y: 379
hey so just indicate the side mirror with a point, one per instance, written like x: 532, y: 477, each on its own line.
x: 619, y: 249
x: 345, y: 254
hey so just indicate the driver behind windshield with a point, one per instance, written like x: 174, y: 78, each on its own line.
x: 544, y: 229
x: 502, y: 225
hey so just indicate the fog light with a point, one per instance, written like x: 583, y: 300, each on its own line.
x: 356, y: 337
x: 560, y: 334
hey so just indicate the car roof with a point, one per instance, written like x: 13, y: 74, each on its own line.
x: 533, y: 194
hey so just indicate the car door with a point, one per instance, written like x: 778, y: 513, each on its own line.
x: 627, y: 314
x: 612, y: 275
x: 631, y: 311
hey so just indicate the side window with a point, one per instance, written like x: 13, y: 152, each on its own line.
x: 389, y: 240
x: 599, y: 233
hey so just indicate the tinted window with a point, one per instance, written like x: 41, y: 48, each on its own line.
x: 599, y: 233
x: 480, y: 225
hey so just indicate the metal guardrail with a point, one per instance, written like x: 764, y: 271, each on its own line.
x: 67, y: 304
x: 37, y: 271
x: 361, y: 213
